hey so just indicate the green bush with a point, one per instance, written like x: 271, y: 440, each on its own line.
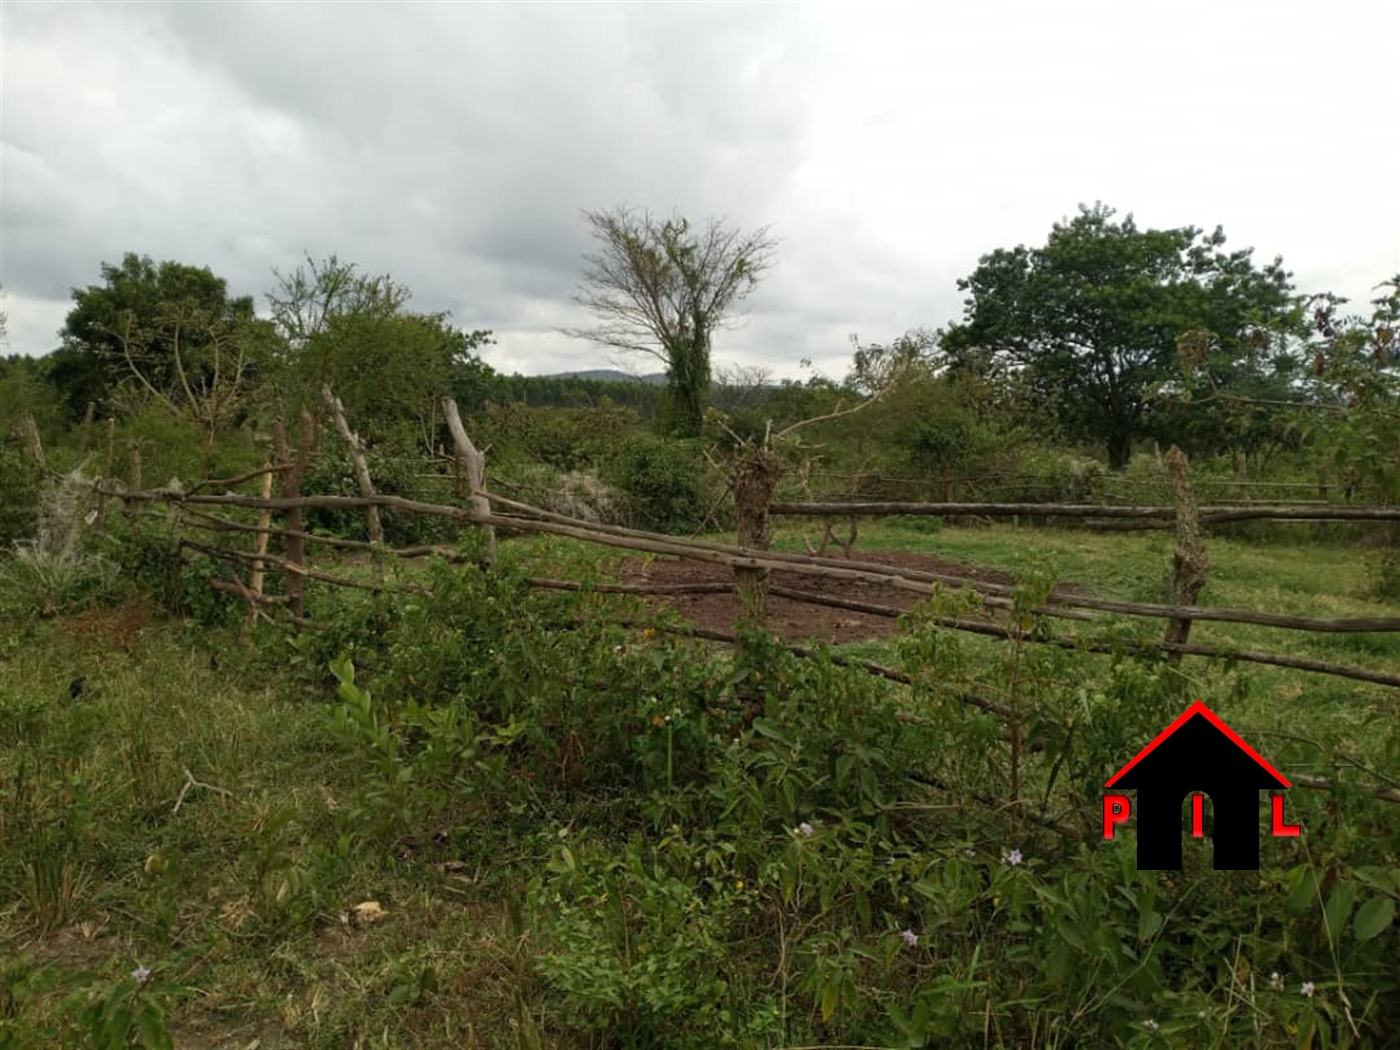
x: 566, y: 439
x: 144, y: 554
x: 57, y: 570
x: 20, y: 479
x: 173, y: 448
x: 748, y: 848
x: 394, y: 470
x: 663, y: 482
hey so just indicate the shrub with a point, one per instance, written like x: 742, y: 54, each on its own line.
x: 54, y: 572
x: 394, y: 470
x: 662, y: 482
x: 19, y: 497
x: 566, y: 439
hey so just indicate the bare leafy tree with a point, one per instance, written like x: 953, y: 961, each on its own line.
x: 742, y: 386
x: 662, y: 288
x: 203, y: 364
x: 307, y: 299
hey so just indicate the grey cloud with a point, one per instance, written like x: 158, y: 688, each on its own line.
x: 456, y: 145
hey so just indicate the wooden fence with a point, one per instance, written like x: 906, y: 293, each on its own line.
x: 198, y: 507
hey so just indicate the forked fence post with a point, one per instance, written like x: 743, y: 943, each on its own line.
x: 357, y: 457
x: 1190, y: 561
x: 475, y: 460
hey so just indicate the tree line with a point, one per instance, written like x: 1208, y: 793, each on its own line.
x: 1106, y: 334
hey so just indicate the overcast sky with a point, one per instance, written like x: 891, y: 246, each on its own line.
x: 455, y: 146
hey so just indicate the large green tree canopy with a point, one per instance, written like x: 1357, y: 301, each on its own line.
x: 353, y: 331
x: 144, y: 325
x: 1094, y: 315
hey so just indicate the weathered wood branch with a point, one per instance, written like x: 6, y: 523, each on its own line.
x: 238, y: 479
x: 300, y: 571
x: 1209, y: 515
x: 289, y: 485
x: 357, y: 458
x: 718, y: 587
x: 475, y: 460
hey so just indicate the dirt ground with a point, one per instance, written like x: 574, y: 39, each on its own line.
x: 800, y: 621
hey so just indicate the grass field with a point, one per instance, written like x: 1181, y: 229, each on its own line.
x: 178, y: 800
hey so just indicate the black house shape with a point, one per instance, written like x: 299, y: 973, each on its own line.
x: 1198, y: 752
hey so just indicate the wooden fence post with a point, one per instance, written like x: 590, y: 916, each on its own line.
x: 1190, y: 561
x: 106, y: 475
x: 475, y: 460
x: 28, y: 433
x: 753, y: 478
x: 1322, y: 528
x: 258, y: 574
x: 136, y: 483
x: 357, y: 457
x: 294, y: 545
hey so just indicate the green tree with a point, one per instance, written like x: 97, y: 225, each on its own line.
x: 353, y: 331
x: 663, y: 288
x: 166, y: 334
x: 1093, y: 316
x: 24, y: 392
x: 1352, y: 415
x: 142, y: 326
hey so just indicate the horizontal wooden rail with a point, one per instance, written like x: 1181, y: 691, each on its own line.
x: 1209, y: 515
x: 743, y: 558
x: 917, y: 581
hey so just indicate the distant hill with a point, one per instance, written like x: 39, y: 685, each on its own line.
x: 611, y: 375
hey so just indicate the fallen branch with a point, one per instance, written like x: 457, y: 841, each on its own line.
x: 299, y: 570
x: 238, y: 479
x: 632, y: 588
x: 191, y: 782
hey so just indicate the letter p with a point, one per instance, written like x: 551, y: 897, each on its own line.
x: 1116, y: 809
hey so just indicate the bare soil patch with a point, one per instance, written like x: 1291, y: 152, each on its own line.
x: 799, y: 621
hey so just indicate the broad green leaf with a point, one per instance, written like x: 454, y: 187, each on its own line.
x: 1149, y: 922
x: 1374, y: 917
x: 1338, y: 908
x: 1304, y: 892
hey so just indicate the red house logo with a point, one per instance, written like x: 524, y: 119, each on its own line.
x: 1198, y: 754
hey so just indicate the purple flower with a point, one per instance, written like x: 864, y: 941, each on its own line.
x: 141, y: 974
x: 1015, y: 857
x: 1308, y: 989
x: 911, y: 939
x: 806, y: 830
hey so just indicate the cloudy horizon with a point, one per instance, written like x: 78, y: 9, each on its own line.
x: 888, y: 147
